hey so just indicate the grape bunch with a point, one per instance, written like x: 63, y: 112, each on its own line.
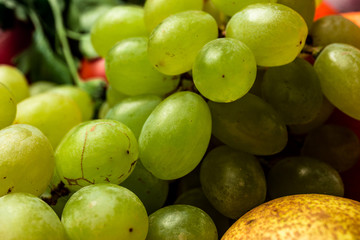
x: 212, y: 108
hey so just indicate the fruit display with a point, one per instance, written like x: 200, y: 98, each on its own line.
x: 174, y: 120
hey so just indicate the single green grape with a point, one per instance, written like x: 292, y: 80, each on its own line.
x: 96, y: 151
x: 302, y: 175
x: 134, y: 111
x: 122, y: 70
x: 151, y: 191
x: 233, y: 181
x: 40, y: 87
x: 118, y: 23
x: 113, y: 96
x: 7, y: 106
x: 196, y: 197
x: 326, y: 110
x: 294, y: 91
x: 274, y: 32
x: 26, y: 160
x: 157, y: 10
x: 174, y: 44
x: 249, y: 124
x: 338, y: 68
x: 306, y: 8
x: 105, y: 211
x: 15, y: 81
x: 336, y: 145
x: 24, y: 216
x: 335, y: 29
x: 80, y: 96
x: 181, y: 222
x: 175, y: 136
x: 224, y: 70
x: 230, y: 7
x: 53, y: 114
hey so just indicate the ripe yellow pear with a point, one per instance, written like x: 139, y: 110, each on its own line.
x: 305, y: 216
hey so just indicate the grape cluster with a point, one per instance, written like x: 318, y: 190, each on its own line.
x: 213, y: 107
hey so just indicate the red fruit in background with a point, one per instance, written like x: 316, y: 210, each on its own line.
x: 351, y: 177
x: 324, y: 9
x: 13, y: 41
x: 92, y: 69
x: 352, y: 16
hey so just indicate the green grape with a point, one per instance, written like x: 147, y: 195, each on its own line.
x: 15, y: 81
x: 336, y: 145
x: 134, y: 111
x: 301, y: 175
x: 104, y: 109
x: 195, y: 197
x: 338, y: 68
x: 157, y: 10
x: 274, y: 32
x: 306, y: 8
x: 151, y: 190
x: 113, y: 96
x: 294, y: 91
x: 40, y: 87
x: 26, y: 160
x: 118, y: 23
x: 224, y: 70
x: 53, y: 114
x: 233, y: 181
x: 219, y: 16
x: 7, y: 106
x: 174, y: 44
x: 122, y: 70
x: 181, y: 222
x: 105, y: 211
x: 175, y: 136
x: 335, y: 29
x: 80, y: 96
x: 249, y: 124
x: 97, y: 151
x: 24, y: 216
x: 230, y: 7
x: 326, y: 110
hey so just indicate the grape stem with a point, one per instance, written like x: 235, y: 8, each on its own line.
x: 314, y: 51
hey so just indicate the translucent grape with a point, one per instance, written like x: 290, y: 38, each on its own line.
x: 15, y: 81
x: 230, y: 7
x: 294, y: 91
x: 335, y: 29
x: 233, y: 181
x: 301, y: 175
x: 134, y: 111
x: 306, y: 8
x: 151, y: 191
x: 24, y: 216
x: 274, y: 32
x: 7, y: 106
x: 181, y: 222
x: 249, y: 124
x: 122, y: 70
x: 338, y: 68
x: 53, y: 114
x: 118, y: 23
x: 175, y: 136
x: 157, y: 10
x: 174, y: 44
x: 336, y: 145
x: 113, y: 96
x: 40, y: 87
x: 26, y: 160
x: 224, y: 70
x: 97, y: 151
x: 105, y: 211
